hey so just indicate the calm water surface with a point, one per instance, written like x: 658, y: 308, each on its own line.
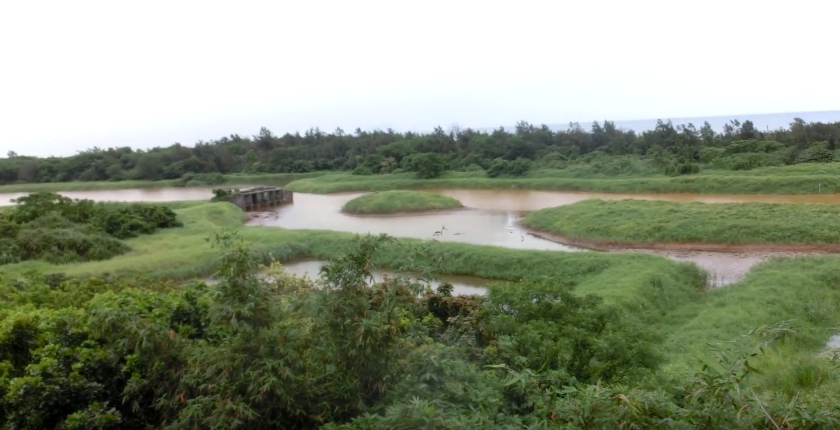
x: 129, y: 195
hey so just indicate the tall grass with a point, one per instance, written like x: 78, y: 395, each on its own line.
x: 234, y: 179
x: 389, y: 202
x: 640, y: 221
x: 804, y: 291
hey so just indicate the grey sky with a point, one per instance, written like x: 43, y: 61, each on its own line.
x: 105, y: 73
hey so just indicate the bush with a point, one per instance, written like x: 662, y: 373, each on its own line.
x: 752, y: 146
x: 501, y: 167
x: 815, y: 155
x: 749, y: 161
x: 57, y: 229
x: 428, y: 165
x: 681, y: 167
x: 709, y: 153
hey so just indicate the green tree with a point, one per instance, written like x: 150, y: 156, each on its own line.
x: 428, y: 165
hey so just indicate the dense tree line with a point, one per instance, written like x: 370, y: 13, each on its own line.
x: 677, y: 149
x: 57, y: 229
x: 281, y: 352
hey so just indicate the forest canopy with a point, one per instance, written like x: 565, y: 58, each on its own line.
x: 673, y: 149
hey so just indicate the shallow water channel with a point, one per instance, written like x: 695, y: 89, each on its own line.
x: 489, y: 218
x: 461, y: 285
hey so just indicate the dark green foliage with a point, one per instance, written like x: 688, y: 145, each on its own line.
x: 50, y: 227
x: 681, y: 167
x: 752, y: 146
x: 283, y: 353
x: 220, y: 194
x: 815, y: 155
x: 377, y: 152
x: 427, y: 166
x: 501, y: 167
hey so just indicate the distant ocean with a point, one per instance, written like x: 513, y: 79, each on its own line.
x: 763, y: 122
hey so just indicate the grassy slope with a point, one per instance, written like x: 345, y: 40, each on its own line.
x: 639, y: 221
x: 804, y: 291
x: 389, y: 202
x: 237, y: 179
x: 798, y: 179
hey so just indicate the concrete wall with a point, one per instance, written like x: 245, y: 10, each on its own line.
x: 261, y: 197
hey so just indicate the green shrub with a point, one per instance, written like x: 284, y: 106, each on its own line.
x: 749, y: 161
x: 815, y: 155
x: 502, y: 167
x: 752, y: 146
x: 50, y: 227
x: 681, y: 167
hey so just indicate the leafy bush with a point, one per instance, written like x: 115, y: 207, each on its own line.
x: 752, y: 146
x: 709, y: 153
x: 57, y: 229
x: 283, y: 352
x: 749, y: 161
x: 427, y: 165
x: 681, y: 167
x: 815, y: 155
x: 502, y: 167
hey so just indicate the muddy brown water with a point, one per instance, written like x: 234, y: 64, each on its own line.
x: 490, y: 220
x: 461, y: 285
x: 130, y: 195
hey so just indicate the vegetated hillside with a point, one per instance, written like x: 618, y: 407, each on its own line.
x: 642, y: 221
x: 390, y: 202
x: 537, y: 353
x: 604, y: 151
x: 56, y: 229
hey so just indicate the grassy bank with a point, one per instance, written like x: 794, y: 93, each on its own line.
x: 803, y: 291
x: 798, y: 179
x: 391, y: 202
x: 237, y: 179
x: 649, y: 222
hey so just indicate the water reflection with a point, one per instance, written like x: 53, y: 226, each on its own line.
x: 480, y: 227
x: 463, y: 285
x: 130, y: 195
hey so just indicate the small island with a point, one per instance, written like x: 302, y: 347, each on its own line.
x: 395, y: 202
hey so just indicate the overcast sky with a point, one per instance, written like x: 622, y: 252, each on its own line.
x: 78, y: 74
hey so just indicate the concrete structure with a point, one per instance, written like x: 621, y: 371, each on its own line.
x: 260, y: 197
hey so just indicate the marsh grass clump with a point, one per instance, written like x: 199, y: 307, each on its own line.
x: 391, y: 202
x: 647, y: 222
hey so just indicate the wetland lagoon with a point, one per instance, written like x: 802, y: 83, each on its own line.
x: 490, y: 217
x: 539, y: 300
